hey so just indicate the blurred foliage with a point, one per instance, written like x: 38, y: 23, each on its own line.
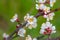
x: 9, y: 7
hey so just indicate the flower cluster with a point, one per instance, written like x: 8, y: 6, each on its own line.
x: 51, y: 2
x: 45, y: 9
x: 46, y: 28
x: 32, y: 23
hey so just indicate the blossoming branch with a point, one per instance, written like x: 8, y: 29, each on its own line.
x: 31, y: 22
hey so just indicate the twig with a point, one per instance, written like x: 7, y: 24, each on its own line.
x: 21, y: 26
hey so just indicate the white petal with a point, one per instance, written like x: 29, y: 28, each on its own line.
x: 45, y: 16
x: 47, y: 9
x: 12, y: 20
x: 53, y: 31
x: 51, y: 14
x: 42, y: 31
x: 34, y: 38
x: 35, y: 20
x: 5, y: 35
x: 51, y: 5
x: 37, y: 7
x: 43, y: 26
x: 42, y: 6
x: 51, y: 18
x: 48, y: 24
x: 34, y: 25
x: 28, y: 38
x: 42, y: 1
x: 47, y: 19
x: 51, y: 2
x: 53, y: 28
x: 30, y: 26
x: 26, y: 17
x: 21, y: 32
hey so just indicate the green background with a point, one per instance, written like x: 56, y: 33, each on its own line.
x: 9, y: 7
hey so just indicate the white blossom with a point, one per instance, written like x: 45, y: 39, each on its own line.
x: 5, y: 35
x: 28, y: 37
x: 46, y: 10
x: 21, y: 32
x: 40, y: 1
x: 47, y: 28
x: 49, y: 16
x: 43, y: 7
x: 34, y: 38
x: 14, y: 18
x: 32, y: 21
x: 40, y: 6
x: 52, y: 2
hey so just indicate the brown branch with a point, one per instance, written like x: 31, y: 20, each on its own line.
x: 21, y: 26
